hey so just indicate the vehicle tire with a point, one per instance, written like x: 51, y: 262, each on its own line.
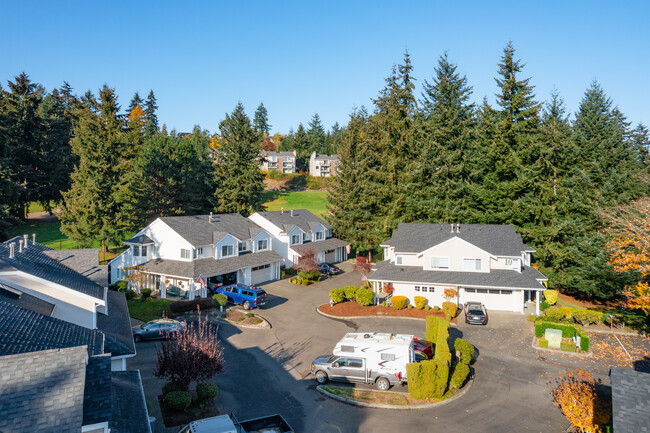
x: 382, y: 384
x: 247, y: 305
x: 321, y: 377
x: 137, y: 338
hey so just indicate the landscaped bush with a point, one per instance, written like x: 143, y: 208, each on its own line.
x: 220, y: 299
x: 461, y: 371
x: 409, y: 306
x: 179, y: 400
x: 568, y: 331
x: 586, y: 317
x: 436, y: 308
x: 550, y: 296
x: 427, y: 308
x: 399, y: 302
x: 568, y: 347
x: 420, y: 302
x: 130, y: 294
x: 289, y: 271
x: 350, y: 292
x: 568, y: 312
x: 443, y: 361
x: 119, y: 286
x: 442, y: 340
x: 305, y: 282
x: 532, y: 317
x: 311, y: 275
x: 555, y: 314
x: 421, y: 379
x: 466, y: 350
x: 432, y: 326
x: 178, y: 307
x: 172, y: 386
x: 337, y: 295
x: 543, y: 342
x: 206, y: 392
x: 146, y: 293
x: 450, y: 310
x: 584, y: 343
x: 365, y: 297
x: 544, y: 306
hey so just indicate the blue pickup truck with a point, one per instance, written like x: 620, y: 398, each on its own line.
x: 241, y: 294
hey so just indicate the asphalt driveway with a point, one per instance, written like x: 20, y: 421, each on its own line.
x: 267, y: 371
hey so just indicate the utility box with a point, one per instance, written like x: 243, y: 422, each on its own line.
x: 554, y: 337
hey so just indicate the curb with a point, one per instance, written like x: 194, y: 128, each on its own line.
x: 563, y: 352
x: 393, y: 406
x: 601, y: 331
x: 264, y: 325
x: 330, y: 316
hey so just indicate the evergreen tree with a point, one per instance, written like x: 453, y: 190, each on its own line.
x: 151, y: 127
x: 101, y: 204
x: 261, y: 121
x: 136, y: 101
x: 239, y: 181
x: 300, y: 142
x: 316, y: 135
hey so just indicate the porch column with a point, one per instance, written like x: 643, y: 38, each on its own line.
x: 163, y: 289
x: 190, y: 295
x: 537, y: 303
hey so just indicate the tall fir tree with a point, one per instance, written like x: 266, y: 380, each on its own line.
x: 300, y: 141
x: 151, y: 107
x: 261, y: 121
x: 317, y: 136
x: 136, y: 101
x: 238, y: 179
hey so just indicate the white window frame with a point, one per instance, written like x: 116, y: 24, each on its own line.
x: 136, y: 250
x: 242, y: 246
x: 476, y: 261
x: 262, y: 241
x: 185, y: 253
x: 435, y: 264
x: 293, y: 237
x: 398, y: 260
x: 228, y: 247
x: 319, y: 236
x: 143, y: 251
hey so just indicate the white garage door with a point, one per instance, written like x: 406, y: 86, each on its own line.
x: 493, y: 299
x: 261, y: 274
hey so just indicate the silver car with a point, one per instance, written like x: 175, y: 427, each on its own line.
x: 157, y: 329
x: 351, y: 369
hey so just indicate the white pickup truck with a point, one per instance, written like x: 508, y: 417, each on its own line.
x: 229, y: 424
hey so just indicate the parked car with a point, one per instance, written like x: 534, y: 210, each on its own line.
x: 475, y: 313
x: 157, y: 329
x: 328, y: 269
x: 423, y: 347
x: 241, y: 294
x: 229, y: 424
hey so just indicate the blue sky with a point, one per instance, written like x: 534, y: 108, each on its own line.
x: 301, y: 58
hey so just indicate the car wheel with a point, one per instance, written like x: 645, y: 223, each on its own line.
x: 137, y: 338
x: 247, y: 305
x: 321, y: 377
x: 383, y: 384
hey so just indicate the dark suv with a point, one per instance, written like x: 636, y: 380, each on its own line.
x: 475, y: 313
x: 241, y: 294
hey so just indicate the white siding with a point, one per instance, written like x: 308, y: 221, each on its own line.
x: 408, y: 290
x: 408, y: 259
x: 225, y: 241
x: 457, y: 250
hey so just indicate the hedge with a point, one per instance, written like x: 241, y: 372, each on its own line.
x: 450, y: 309
x: 399, y: 302
x: 311, y: 275
x: 305, y: 282
x: 550, y: 296
x: 442, y: 341
x: 337, y: 295
x: 421, y: 379
x: 461, y: 371
x: 184, y: 306
x: 220, y: 299
x: 466, y: 350
x: 555, y: 313
x: 584, y: 343
x: 130, y: 294
x: 206, y: 392
x: 568, y: 331
x: 586, y: 317
x: 350, y: 292
x: 443, y: 361
x: 543, y: 342
x: 146, y: 293
x: 568, y: 347
x: 568, y: 312
x: 431, y: 333
x: 365, y: 297
x: 179, y: 400
x: 420, y: 302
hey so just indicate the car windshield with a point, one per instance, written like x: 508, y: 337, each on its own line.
x: 332, y: 358
x: 476, y: 312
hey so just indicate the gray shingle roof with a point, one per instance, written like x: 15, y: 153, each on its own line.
x: 209, y: 266
x: 139, y: 239
x: 23, y: 330
x: 129, y: 411
x: 116, y: 326
x: 43, y: 391
x: 198, y: 230
x: 323, y: 157
x: 85, y: 261
x: 97, y: 392
x: 630, y: 400
x: 500, y: 279
x: 14, y: 296
x: 500, y: 240
x: 318, y: 246
x: 301, y: 218
x: 33, y: 261
x: 278, y: 154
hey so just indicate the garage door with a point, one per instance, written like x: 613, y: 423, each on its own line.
x: 493, y: 299
x: 329, y: 256
x: 260, y: 274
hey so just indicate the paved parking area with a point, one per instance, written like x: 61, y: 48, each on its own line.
x: 267, y: 370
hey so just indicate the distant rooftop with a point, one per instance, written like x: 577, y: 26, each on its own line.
x: 287, y: 219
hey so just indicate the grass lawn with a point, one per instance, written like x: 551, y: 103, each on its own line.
x: 314, y: 201
x: 148, y: 310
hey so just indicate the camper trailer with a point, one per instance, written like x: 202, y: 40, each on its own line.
x: 367, y: 357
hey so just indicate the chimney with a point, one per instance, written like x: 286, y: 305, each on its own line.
x: 12, y: 248
x: 34, y: 238
x: 26, y: 240
x: 457, y: 228
x: 291, y: 212
x: 452, y: 228
x: 20, y: 246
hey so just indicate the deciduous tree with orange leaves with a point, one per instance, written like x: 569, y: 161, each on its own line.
x: 630, y: 250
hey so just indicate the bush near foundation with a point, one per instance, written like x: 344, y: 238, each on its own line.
x: 350, y: 292
x: 449, y: 309
x: 365, y: 297
x: 220, y: 299
x: 466, y: 350
x: 555, y: 314
x: 179, y: 400
x: 420, y: 302
x: 337, y: 295
x: 461, y: 371
x: 550, y: 296
x: 178, y: 307
x: 399, y: 302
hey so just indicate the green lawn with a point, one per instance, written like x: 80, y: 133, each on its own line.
x: 314, y: 201
x: 149, y: 310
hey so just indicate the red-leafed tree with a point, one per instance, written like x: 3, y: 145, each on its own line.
x: 192, y: 355
x: 307, y: 261
x: 362, y: 266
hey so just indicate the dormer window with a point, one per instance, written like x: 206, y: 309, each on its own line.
x: 136, y: 250
x: 227, y: 250
x: 471, y: 264
x: 398, y: 260
x: 440, y: 262
x: 319, y: 236
x: 262, y: 245
x: 242, y: 247
x: 295, y: 239
x: 143, y: 251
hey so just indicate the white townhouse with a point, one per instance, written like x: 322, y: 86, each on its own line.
x: 284, y: 162
x: 299, y: 231
x: 484, y: 263
x: 180, y: 253
x: 323, y: 165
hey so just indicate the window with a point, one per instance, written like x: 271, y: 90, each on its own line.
x: 242, y: 246
x: 388, y: 357
x: 295, y: 239
x: 417, y: 288
x: 200, y: 250
x: 506, y: 292
x: 262, y: 244
x: 185, y: 254
x: 470, y: 290
x: 471, y: 264
x: 286, y: 158
x: 431, y: 289
x: 227, y: 250
x: 440, y: 262
x: 194, y: 253
x: 319, y: 236
x: 143, y: 251
x: 259, y: 268
x: 136, y: 250
x: 355, y: 363
x: 398, y: 260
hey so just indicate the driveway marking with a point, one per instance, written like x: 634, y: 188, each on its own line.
x: 619, y: 342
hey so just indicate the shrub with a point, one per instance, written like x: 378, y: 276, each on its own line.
x: 383, y: 304
x: 172, y: 386
x: 206, y: 392
x: 432, y: 324
x: 427, y: 308
x: 409, y: 306
x: 146, y: 293
x: 120, y: 286
x: 450, y: 309
x: 421, y: 379
x: 420, y: 302
x: 179, y: 400
x: 399, y: 302
x: 532, y: 317
x: 586, y: 317
x: 544, y: 306
x: 350, y: 292
x: 130, y: 294
x: 305, y: 282
x: 436, y: 308
x: 178, y: 307
x: 442, y: 374
x: 460, y: 375
x: 584, y: 343
x: 336, y: 295
x: 311, y: 275
x: 365, y: 297
x: 543, y: 342
x: 555, y: 314
x: 466, y: 350
x: 220, y: 299
x: 550, y: 296
x: 442, y: 340
x: 568, y: 347
x: 577, y: 396
x: 568, y: 331
x: 568, y: 312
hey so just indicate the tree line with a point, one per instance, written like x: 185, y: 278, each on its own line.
x: 441, y: 158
